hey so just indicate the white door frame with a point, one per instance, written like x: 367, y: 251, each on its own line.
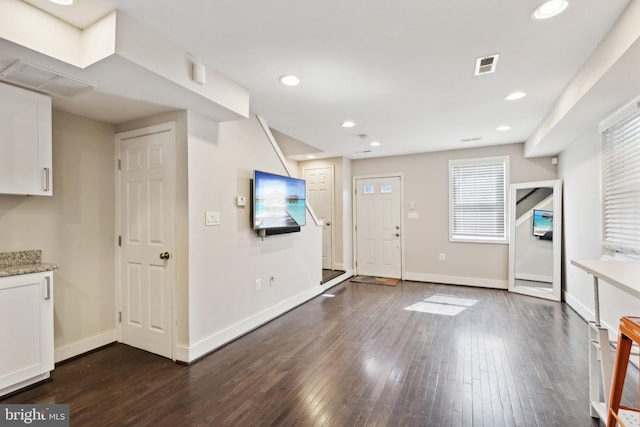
x: 150, y: 130
x: 333, y: 207
x: 354, y: 212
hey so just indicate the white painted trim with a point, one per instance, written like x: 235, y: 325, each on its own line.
x: 25, y: 383
x: 119, y: 138
x: 182, y: 353
x: 534, y: 277
x: 478, y: 282
x: 354, y: 215
x: 588, y: 314
x: 527, y: 215
x: 283, y: 160
x: 506, y: 160
x: 217, y: 340
x: 337, y: 280
x: 556, y: 184
x: 83, y: 346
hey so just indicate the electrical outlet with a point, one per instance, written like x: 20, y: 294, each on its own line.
x: 258, y: 284
x: 442, y: 256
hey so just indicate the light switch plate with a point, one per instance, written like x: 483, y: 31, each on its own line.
x: 241, y: 201
x: 211, y: 218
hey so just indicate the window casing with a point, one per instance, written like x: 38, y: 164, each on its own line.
x: 621, y: 184
x: 478, y: 199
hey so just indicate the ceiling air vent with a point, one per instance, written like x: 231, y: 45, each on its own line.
x: 35, y: 77
x: 486, y: 64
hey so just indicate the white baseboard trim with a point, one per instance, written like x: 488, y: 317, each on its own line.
x: 588, y: 314
x: 535, y: 277
x: 182, y: 353
x: 457, y: 280
x: 584, y: 311
x: 341, y: 278
x: 82, y: 346
x: 23, y: 384
x: 227, y: 335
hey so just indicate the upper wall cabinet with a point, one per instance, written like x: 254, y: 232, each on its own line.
x: 25, y: 142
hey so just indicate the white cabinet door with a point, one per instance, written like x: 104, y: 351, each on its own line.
x: 25, y: 142
x: 26, y: 330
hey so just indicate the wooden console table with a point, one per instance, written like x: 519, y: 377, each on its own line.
x: 625, y: 276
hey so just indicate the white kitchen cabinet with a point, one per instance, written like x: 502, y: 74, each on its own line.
x: 26, y: 165
x: 26, y: 330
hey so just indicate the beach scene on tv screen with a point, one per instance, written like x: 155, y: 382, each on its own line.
x: 279, y: 202
x: 542, y: 222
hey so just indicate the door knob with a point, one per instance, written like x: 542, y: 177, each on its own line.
x: 164, y: 255
x: 328, y: 223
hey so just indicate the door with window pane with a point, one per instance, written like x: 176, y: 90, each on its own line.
x: 378, y: 233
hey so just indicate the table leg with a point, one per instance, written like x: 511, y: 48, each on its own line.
x: 596, y: 300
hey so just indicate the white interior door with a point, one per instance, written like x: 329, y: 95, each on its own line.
x: 320, y: 196
x: 146, y: 212
x: 378, y: 234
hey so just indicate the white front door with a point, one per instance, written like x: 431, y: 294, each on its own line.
x: 146, y: 218
x: 378, y: 234
x: 320, y: 196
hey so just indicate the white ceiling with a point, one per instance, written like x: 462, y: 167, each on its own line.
x: 402, y: 71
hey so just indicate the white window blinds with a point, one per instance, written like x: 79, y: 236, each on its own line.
x: 621, y: 185
x: 477, y: 192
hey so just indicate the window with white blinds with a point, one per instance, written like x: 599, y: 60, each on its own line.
x: 478, y: 199
x: 621, y: 185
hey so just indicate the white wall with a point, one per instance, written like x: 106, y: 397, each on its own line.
x: 347, y: 216
x: 580, y: 169
x: 426, y: 183
x: 226, y: 260
x: 74, y: 228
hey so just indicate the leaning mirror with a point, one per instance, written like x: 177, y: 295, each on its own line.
x: 535, y: 235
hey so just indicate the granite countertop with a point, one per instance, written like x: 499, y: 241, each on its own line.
x: 23, y: 262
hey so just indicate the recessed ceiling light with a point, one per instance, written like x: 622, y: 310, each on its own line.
x: 311, y: 156
x: 503, y: 127
x: 62, y: 2
x: 549, y: 8
x: 290, y: 80
x: 374, y: 144
x: 515, y: 95
x: 347, y: 124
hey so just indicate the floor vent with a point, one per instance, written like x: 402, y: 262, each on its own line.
x: 32, y: 76
x: 486, y: 64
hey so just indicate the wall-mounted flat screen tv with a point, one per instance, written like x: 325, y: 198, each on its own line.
x: 279, y: 203
x: 543, y: 224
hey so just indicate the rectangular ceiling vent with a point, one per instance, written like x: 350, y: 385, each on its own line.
x: 486, y: 64
x: 35, y: 77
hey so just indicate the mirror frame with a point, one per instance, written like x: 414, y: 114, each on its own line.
x: 556, y: 293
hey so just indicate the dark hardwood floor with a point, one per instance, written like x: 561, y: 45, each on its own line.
x: 330, y: 274
x: 355, y: 359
